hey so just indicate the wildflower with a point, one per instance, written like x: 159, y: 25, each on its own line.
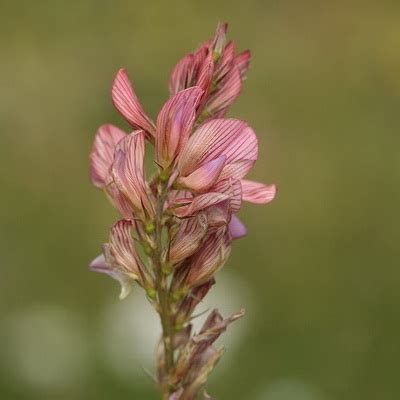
x: 178, y: 225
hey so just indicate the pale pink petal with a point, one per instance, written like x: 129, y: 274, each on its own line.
x: 229, y: 137
x: 128, y: 170
x: 199, y: 203
x: 102, y: 154
x: 204, y: 177
x: 236, y: 228
x: 242, y: 61
x: 174, y: 124
x: 256, y: 192
x: 180, y: 75
x: 127, y: 103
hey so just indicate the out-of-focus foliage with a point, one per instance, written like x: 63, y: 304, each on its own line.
x: 319, y: 271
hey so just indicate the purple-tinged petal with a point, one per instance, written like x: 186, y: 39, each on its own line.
x: 199, y: 203
x: 174, y: 124
x: 102, y: 154
x: 236, y: 228
x: 257, y: 193
x: 229, y: 137
x: 204, y: 177
x: 127, y: 103
x: 128, y: 171
x: 238, y: 169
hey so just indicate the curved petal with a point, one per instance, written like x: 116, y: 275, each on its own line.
x: 127, y: 103
x: 236, y: 228
x: 128, y: 171
x: 175, y: 123
x: 228, y: 90
x: 233, y: 189
x: 102, y: 154
x: 199, y: 203
x: 103, y: 263
x: 229, y: 137
x: 204, y: 177
x: 242, y: 61
x: 188, y: 238
x: 256, y: 192
x: 122, y: 249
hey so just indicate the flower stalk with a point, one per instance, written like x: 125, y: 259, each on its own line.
x: 177, y: 229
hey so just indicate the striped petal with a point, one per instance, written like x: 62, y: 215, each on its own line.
x: 229, y: 137
x: 102, y: 154
x: 122, y: 249
x: 127, y: 103
x: 188, y: 238
x: 128, y: 171
x: 228, y: 90
x: 204, y: 177
x: 104, y: 264
x: 199, y: 203
x: 175, y: 123
x: 256, y: 192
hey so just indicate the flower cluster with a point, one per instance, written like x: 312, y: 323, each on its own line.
x: 178, y: 225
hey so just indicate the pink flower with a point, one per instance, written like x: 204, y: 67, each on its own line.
x: 216, y: 69
x: 120, y: 260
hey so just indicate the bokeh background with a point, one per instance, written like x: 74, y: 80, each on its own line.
x: 318, y: 272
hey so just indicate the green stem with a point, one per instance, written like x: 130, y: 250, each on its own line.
x: 162, y: 289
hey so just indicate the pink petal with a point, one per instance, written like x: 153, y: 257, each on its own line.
x: 127, y: 103
x: 104, y: 265
x: 227, y: 92
x: 236, y: 228
x: 188, y: 238
x: 102, y: 154
x: 174, y: 124
x: 232, y: 188
x: 229, y: 137
x: 242, y: 61
x: 193, y: 70
x: 256, y: 192
x: 122, y: 249
x: 119, y: 201
x: 199, y: 203
x: 219, y: 39
x: 128, y: 171
x: 204, y: 177
x: 225, y: 62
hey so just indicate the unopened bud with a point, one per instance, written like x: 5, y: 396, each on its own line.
x: 149, y: 227
x: 151, y: 293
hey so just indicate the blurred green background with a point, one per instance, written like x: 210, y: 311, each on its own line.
x: 318, y: 272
